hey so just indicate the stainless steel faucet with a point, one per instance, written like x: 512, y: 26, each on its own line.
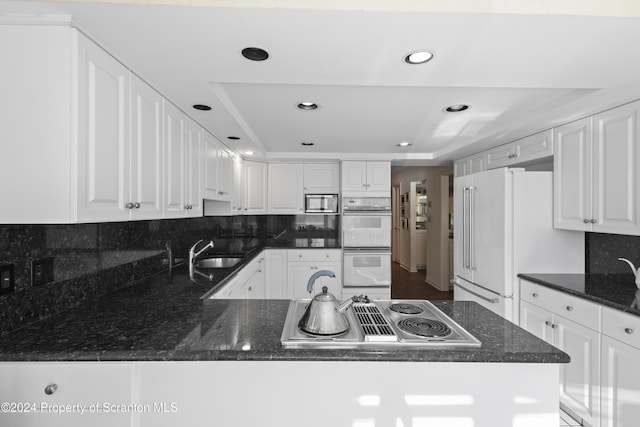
x: 193, y: 255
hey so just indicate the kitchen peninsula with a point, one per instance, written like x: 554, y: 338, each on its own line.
x: 159, y: 342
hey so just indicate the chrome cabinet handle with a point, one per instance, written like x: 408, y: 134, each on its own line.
x: 50, y: 389
x: 491, y: 300
x: 553, y: 326
x: 221, y: 192
x: 129, y: 205
x: 250, y: 289
x: 586, y: 221
x: 628, y: 330
x: 535, y: 295
x: 569, y: 308
x: 547, y: 323
x: 593, y: 221
x: 137, y: 205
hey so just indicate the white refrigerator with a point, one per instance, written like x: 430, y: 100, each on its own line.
x: 503, y: 226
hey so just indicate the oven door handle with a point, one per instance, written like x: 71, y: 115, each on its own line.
x: 491, y: 300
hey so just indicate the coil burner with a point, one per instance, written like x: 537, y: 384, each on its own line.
x: 405, y: 308
x: 424, y: 327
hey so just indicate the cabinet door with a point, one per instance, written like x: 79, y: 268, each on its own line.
x: 321, y: 178
x: 572, y: 176
x: 237, y: 193
x: 255, y: 187
x: 537, y: 146
x: 460, y: 168
x: 103, y: 135
x: 616, y: 180
x: 193, y: 170
x: 354, y: 176
x: 620, y: 404
x: 379, y: 176
x: 256, y: 285
x: 285, y: 188
x: 225, y: 174
x: 98, y: 387
x: 298, y: 275
x: 276, y: 274
x: 210, y: 172
x: 499, y: 156
x: 146, y: 151
x: 174, y: 162
x: 477, y: 164
x: 537, y: 321
x: 580, y: 378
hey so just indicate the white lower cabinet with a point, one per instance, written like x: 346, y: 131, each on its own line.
x: 579, y: 379
x: 66, y: 394
x: 302, y: 264
x: 276, y: 274
x: 248, y: 283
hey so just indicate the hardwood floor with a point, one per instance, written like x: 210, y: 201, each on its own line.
x: 406, y: 285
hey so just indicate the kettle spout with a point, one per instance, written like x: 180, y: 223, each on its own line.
x: 317, y: 274
x: 633, y: 267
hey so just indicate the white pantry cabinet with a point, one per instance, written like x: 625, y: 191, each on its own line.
x: 596, y: 181
x: 285, y: 194
x: 573, y: 325
x: 469, y: 165
x: 367, y: 176
x: 321, y: 178
x: 98, y: 388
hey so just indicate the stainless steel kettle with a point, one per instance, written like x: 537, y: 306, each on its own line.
x: 325, y: 315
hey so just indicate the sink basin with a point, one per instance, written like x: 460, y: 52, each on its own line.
x: 218, y: 262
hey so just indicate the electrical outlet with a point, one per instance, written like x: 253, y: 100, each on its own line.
x: 41, y: 271
x: 7, y: 280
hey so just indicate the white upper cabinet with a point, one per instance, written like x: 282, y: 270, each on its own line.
x: 237, y: 192
x: 532, y: 147
x: 596, y: 180
x: 210, y: 179
x: 146, y: 151
x: 469, y: 165
x: 225, y: 173
x: 285, y: 193
x: 321, y: 178
x: 193, y: 170
x: 174, y: 162
x: 103, y: 135
x: 255, y: 187
x: 367, y: 176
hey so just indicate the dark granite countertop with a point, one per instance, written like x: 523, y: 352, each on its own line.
x: 611, y: 290
x: 164, y: 318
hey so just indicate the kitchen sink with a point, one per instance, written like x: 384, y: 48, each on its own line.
x: 218, y: 262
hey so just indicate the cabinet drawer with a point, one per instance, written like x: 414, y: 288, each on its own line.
x: 314, y: 255
x: 622, y: 326
x: 568, y: 306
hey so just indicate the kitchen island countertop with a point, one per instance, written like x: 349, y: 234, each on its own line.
x: 164, y: 318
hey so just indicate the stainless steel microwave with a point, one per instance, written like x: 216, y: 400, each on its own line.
x: 321, y: 203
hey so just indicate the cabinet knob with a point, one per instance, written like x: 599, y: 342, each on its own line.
x: 299, y: 255
x: 137, y: 206
x: 569, y: 308
x: 535, y: 295
x: 553, y: 326
x: 547, y: 323
x: 221, y: 192
x: 129, y: 205
x: 628, y: 330
x: 586, y: 221
x: 50, y: 389
x: 593, y: 221
x: 250, y: 288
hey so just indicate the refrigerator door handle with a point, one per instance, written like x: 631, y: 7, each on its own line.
x: 465, y: 222
x: 491, y: 300
x: 472, y: 226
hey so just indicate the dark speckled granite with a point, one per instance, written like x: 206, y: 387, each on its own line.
x: 603, y: 251
x: 163, y: 318
x: 612, y: 290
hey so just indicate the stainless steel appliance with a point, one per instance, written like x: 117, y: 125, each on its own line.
x: 321, y: 203
x: 388, y: 323
x: 366, y: 242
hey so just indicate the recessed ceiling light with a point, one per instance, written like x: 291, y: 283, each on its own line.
x: 418, y: 57
x: 307, y: 106
x: 307, y: 144
x: 249, y: 153
x: 202, y: 107
x: 404, y: 144
x: 456, y: 108
x: 235, y: 138
x: 255, y: 53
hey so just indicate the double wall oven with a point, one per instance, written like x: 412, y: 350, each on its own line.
x: 366, y: 241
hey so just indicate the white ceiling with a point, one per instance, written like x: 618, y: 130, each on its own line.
x: 520, y: 73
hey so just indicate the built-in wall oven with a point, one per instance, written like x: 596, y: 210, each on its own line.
x: 366, y: 242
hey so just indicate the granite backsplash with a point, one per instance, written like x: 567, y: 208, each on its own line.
x: 90, y: 260
x: 603, y: 251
